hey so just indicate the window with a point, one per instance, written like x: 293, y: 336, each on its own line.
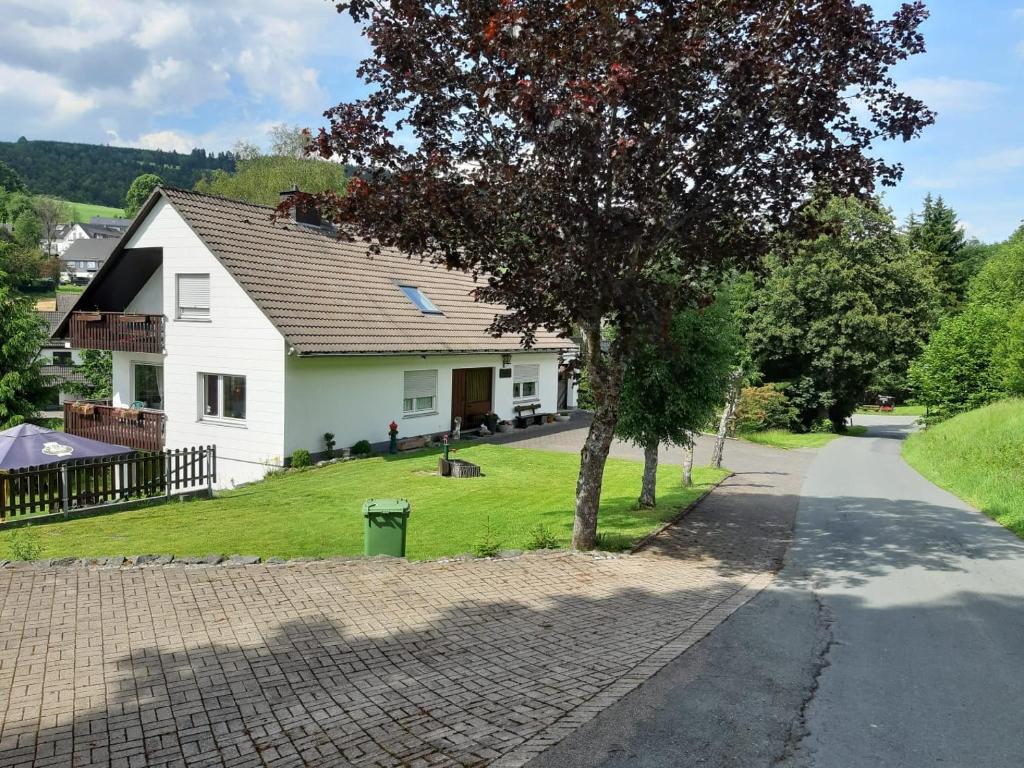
x: 193, y: 297
x: 148, y: 385
x: 222, y: 396
x: 417, y: 297
x: 92, y: 265
x: 524, y: 382
x: 62, y: 358
x: 420, y: 392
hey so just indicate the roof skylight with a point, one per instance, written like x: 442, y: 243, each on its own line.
x: 417, y: 297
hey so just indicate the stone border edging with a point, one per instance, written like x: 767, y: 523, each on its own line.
x: 237, y: 561
x: 646, y: 540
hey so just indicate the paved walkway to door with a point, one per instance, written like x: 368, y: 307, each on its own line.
x: 366, y: 663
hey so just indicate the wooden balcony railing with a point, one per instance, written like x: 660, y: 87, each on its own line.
x: 117, y: 331
x: 139, y: 428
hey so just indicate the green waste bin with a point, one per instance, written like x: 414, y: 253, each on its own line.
x: 386, y: 521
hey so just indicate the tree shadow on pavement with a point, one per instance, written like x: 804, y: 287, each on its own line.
x: 225, y: 683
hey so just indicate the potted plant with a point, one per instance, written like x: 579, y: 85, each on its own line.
x: 393, y: 434
x: 505, y: 426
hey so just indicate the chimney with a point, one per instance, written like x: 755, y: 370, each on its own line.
x: 301, y: 213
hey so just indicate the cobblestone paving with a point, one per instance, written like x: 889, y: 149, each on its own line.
x: 364, y: 663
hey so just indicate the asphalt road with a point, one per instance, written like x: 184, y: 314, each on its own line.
x: 893, y: 637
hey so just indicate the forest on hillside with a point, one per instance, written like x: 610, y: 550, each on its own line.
x: 95, y: 173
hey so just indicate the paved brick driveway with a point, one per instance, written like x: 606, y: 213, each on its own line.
x: 359, y: 662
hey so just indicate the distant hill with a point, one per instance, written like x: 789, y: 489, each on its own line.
x: 102, y: 174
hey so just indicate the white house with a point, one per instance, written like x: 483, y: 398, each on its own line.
x: 260, y: 336
x: 59, y: 363
x: 99, y: 228
x: 83, y: 259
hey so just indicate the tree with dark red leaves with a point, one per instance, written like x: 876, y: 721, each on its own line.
x: 602, y: 162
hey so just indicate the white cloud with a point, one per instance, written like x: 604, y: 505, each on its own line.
x: 24, y: 89
x: 1003, y: 160
x: 161, y: 26
x: 947, y: 94
x: 173, y: 69
x: 981, y: 233
x: 173, y: 85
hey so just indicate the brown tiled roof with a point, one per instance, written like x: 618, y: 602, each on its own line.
x: 332, y: 297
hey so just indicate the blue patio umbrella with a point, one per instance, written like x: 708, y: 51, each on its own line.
x: 30, y: 446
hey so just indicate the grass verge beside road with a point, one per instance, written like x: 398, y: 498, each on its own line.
x: 781, y: 438
x: 318, y: 513
x: 979, y: 456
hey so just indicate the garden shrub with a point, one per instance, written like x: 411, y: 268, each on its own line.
x: 822, y: 427
x: 362, y: 448
x: 24, y: 543
x: 541, y: 537
x: 329, y: 443
x: 764, y: 407
x: 301, y: 458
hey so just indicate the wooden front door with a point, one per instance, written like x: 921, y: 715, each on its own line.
x: 471, y: 395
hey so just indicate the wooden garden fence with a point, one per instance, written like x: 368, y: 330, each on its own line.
x: 59, y: 489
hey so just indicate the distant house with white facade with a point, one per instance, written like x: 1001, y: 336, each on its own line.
x: 260, y: 336
x: 59, y: 362
x: 98, y: 228
x: 84, y: 258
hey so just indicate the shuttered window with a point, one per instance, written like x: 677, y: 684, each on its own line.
x: 524, y: 382
x: 420, y: 395
x: 193, y: 297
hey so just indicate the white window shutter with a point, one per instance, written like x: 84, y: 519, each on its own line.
x: 193, y: 295
x: 523, y: 373
x: 420, y: 384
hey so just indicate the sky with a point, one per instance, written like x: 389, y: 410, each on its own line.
x: 208, y: 73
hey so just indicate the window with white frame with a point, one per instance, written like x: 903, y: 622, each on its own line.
x: 221, y: 397
x: 193, y: 297
x: 420, y: 394
x: 525, y: 382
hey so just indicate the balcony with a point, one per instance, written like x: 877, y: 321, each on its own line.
x: 117, y: 331
x: 138, y: 428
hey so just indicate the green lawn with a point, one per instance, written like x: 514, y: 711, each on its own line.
x: 781, y: 438
x: 85, y: 211
x: 317, y: 513
x: 979, y: 456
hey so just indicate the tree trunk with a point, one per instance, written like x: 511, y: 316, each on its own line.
x: 605, y: 379
x: 688, y: 460
x: 648, y: 490
x: 732, y: 399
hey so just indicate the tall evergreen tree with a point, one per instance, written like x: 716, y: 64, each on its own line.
x: 937, y: 232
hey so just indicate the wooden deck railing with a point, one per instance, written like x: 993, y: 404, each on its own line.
x: 117, y: 331
x: 142, y: 428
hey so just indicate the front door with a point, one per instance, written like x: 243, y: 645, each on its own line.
x: 471, y: 395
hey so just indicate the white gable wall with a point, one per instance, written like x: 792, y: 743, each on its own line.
x: 237, y: 340
x: 357, y: 397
